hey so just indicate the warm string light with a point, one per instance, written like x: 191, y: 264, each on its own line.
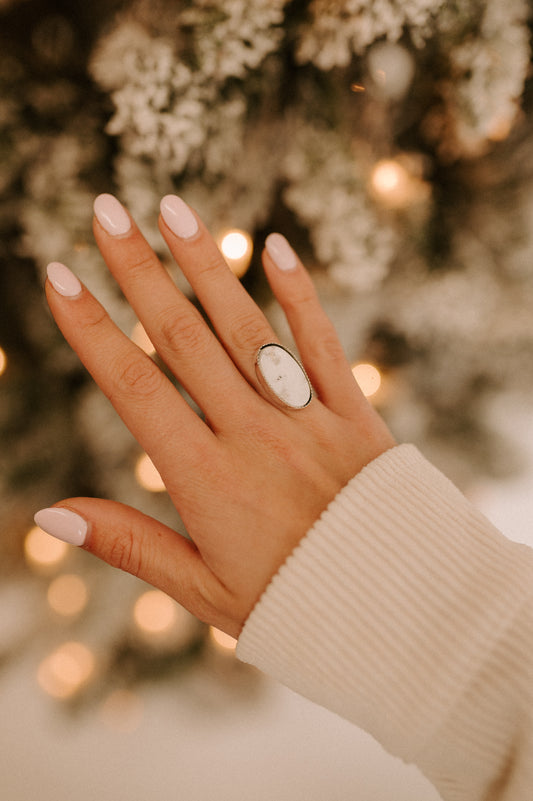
x: 161, y: 622
x: 154, y: 612
x: 397, y: 186
x: 222, y: 641
x: 43, y: 552
x: 68, y: 595
x: 3, y: 361
x: 237, y: 249
x: 368, y: 378
x: 65, y: 671
x: 147, y: 475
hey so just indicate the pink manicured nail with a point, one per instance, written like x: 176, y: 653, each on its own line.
x: 281, y: 252
x: 178, y: 217
x: 63, y: 524
x: 63, y: 280
x: 111, y: 215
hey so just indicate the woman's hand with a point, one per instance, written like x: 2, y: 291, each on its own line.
x: 249, y: 479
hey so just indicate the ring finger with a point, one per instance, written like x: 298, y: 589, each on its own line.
x: 239, y: 323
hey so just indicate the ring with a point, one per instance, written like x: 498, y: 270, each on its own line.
x: 282, y: 375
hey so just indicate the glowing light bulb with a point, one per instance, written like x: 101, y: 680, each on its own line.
x: 368, y: 377
x: 140, y: 338
x: 387, y: 176
x: 68, y: 595
x: 42, y: 551
x: 3, y: 361
x: 237, y: 248
x: 147, y: 475
x: 222, y: 640
x: 234, y: 245
x: 66, y: 670
x: 396, y: 185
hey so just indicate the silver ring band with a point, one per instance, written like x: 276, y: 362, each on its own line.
x: 282, y: 376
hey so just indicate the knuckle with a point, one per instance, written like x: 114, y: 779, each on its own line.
x: 93, y: 317
x: 249, y: 332
x: 125, y: 553
x: 138, y: 376
x: 212, y: 262
x: 327, y: 347
x: 141, y: 263
x: 182, y: 334
x: 268, y: 438
x: 303, y: 300
x: 331, y: 347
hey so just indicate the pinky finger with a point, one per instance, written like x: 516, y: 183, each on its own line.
x: 135, y: 543
x: 319, y: 346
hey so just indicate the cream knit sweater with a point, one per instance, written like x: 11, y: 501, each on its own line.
x: 407, y: 612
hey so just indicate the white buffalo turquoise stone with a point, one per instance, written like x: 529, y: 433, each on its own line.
x: 284, y: 376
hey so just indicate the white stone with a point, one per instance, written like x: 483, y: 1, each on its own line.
x: 284, y: 376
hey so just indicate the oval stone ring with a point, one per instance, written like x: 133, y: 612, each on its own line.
x: 281, y: 375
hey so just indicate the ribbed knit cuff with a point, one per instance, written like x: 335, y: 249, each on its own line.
x: 389, y: 610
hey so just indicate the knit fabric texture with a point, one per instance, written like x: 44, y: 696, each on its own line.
x: 405, y: 611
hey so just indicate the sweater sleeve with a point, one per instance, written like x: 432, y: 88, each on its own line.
x: 405, y: 611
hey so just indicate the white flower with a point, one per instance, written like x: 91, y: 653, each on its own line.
x: 164, y: 110
x: 489, y: 71
x: 234, y: 36
x: 326, y: 191
x: 340, y: 28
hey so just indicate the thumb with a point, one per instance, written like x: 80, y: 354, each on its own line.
x: 136, y: 543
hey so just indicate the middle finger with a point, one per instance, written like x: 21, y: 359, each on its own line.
x: 173, y: 324
x: 239, y: 323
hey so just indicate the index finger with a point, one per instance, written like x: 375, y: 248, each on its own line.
x: 154, y: 411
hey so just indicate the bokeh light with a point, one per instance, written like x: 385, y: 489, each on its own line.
x: 154, y: 612
x: 222, y: 641
x: 66, y: 670
x: 42, y: 551
x: 368, y: 377
x: 68, y: 595
x: 141, y: 339
x: 3, y: 361
x: 147, y: 475
x: 388, y: 176
x: 160, y: 622
x: 398, y: 183
x: 237, y: 248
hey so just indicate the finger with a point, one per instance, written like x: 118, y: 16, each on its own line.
x: 131, y: 541
x: 239, y: 323
x: 173, y: 324
x: 315, y: 336
x: 156, y: 414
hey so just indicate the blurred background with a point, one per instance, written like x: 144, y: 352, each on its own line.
x: 392, y: 143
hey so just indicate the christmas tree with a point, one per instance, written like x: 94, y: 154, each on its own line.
x: 391, y: 141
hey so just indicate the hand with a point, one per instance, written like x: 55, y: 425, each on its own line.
x: 249, y: 479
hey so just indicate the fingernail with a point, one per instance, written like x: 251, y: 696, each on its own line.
x: 63, y: 280
x: 281, y: 252
x: 178, y: 217
x: 111, y: 215
x: 63, y: 524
